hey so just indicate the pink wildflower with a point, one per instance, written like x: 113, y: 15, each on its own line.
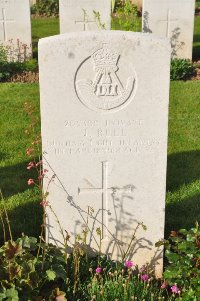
x: 98, y: 270
x: 44, y: 203
x: 60, y: 298
x: 39, y: 163
x: 41, y: 177
x: 175, y: 289
x: 164, y: 284
x: 129, y: 264
x: 30, y: 165
x: 45, y: 170
x: 145, y: 277
x: 142, y: 269
x: 30, y: 182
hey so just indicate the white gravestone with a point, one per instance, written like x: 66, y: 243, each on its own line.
x: 84, y: 15
x: 15, y: 28
x: 104, y: 113
x: 173, y: 19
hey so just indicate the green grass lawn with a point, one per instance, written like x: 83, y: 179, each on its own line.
x: 43, y: 27
x: 22, y: 203
x: 183, y: 175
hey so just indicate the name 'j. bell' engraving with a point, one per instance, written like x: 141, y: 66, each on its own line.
x: 105, y: 91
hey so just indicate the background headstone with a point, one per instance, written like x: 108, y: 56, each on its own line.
x: 15, y: 28
x: 78, y: 15
x: 32, y: 2
x: 138, y: 3
x: 173, y: 19
x: 104, y: 114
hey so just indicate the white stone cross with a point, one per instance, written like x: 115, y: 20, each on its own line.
x: 85, y: 22
x: 168, y: 21
x: 104, y: 190
x: 4, y: 21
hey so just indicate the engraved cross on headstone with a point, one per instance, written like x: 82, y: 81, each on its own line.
x: 85, y: 22
x: 4, y: 21
x: 104, y: 190
x: 168, y: 22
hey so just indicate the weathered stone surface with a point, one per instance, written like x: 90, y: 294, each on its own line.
x: 15, y: 28
x: 79, y: 15
x: 173, y: 19
x: 104, y: 113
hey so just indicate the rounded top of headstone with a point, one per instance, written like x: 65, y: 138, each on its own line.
x: 82, y: 36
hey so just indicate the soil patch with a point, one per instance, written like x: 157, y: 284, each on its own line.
x: 197, y: 71
x: 25, y: 77
x: 197, y: 11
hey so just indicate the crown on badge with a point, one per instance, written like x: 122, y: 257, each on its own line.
x: 104, y: 57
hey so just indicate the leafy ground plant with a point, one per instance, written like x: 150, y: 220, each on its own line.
x: 14, y: 63
x: 183, y: 269
x: 46, y: 8
x: 181, y: 69
x: 126, y: 15
x: 10, y: 69
x: 31, y: 270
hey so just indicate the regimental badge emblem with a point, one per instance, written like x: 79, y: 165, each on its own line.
x: 105, y: 91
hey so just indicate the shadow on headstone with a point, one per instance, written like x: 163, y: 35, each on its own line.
x: 119, y: 243
x: 146, y: 23
x: 123, y: 221
x: 175, y: 43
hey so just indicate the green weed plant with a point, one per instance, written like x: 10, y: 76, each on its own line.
x: 32, y: 270
x: 127, y: 14
x: 46, y: 8
x: 14, y: 64
x: 181, y: 69
x: 183, y: 268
